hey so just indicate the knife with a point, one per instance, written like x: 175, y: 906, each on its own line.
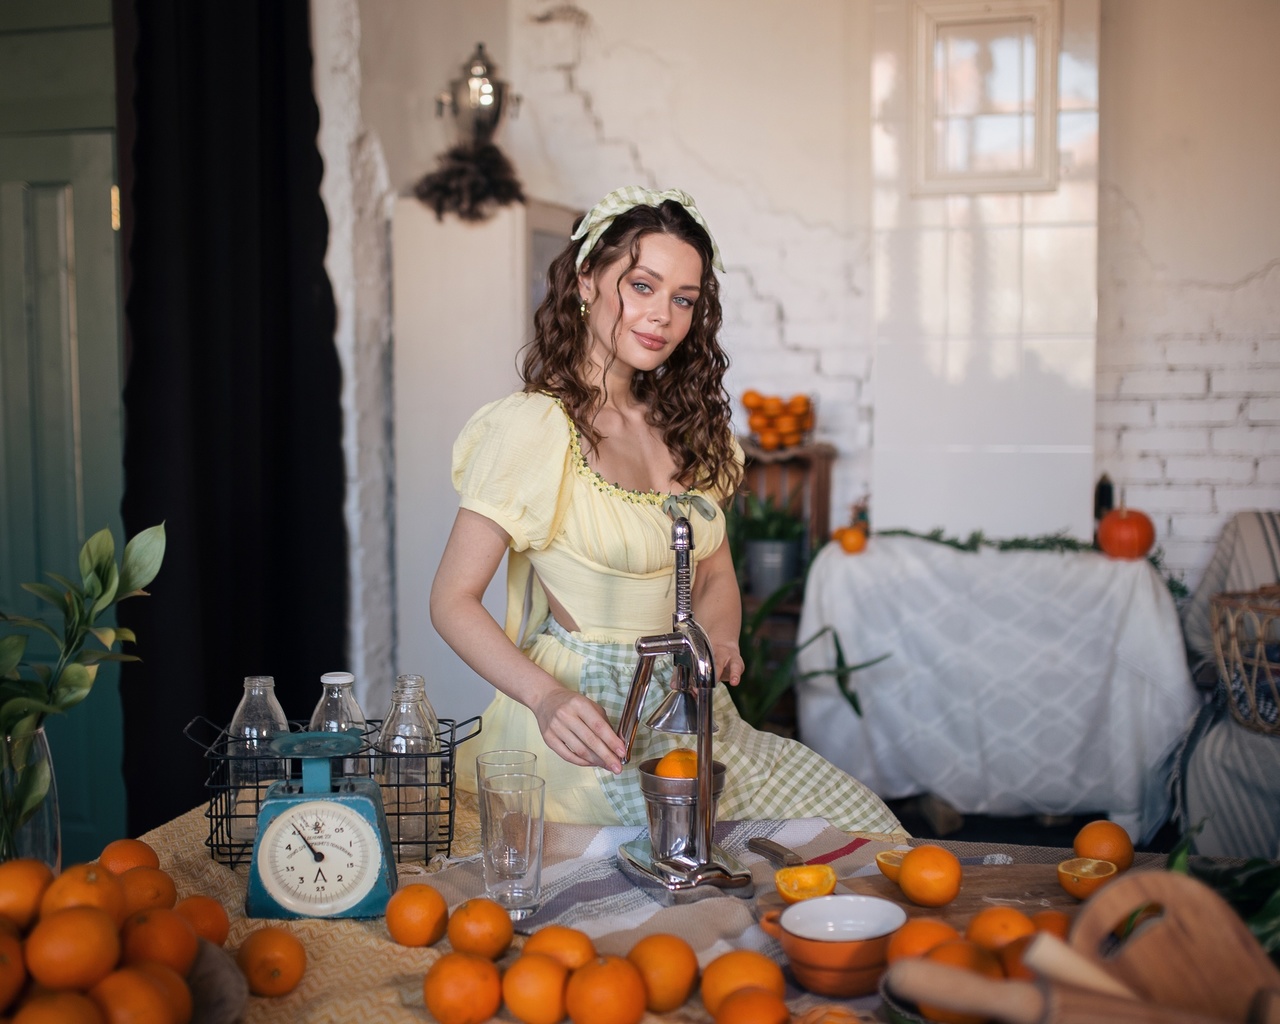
x: 775, y: 853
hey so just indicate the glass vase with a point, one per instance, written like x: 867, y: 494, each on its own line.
x: 29, y: 822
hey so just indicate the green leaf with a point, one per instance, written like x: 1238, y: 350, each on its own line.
x: 143, y: 556
x: 74, y: 685
x: 38, y: 624
x: 32, y: 787
x: 109, y: 576
x: 125, y: 636
x: 54, y: 596
x: 94, y: 657
x: 14, y: 711
x: 105, y: 635
x: 11, y: 649
x: 98, y: 552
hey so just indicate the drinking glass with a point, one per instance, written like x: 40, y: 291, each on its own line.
x: 505, y: 762
x: 511, y: 808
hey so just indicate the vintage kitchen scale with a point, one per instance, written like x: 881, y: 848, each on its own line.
x: 679, y: 859
x: 323, y: 848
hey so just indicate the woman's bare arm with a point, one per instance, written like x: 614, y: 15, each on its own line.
x: 572, y: 725
x: 717, y: 606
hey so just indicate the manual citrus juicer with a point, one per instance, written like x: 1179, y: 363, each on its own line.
x: 679, y: 855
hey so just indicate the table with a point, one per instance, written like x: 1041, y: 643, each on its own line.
x: 357, y: 973
x: 1018, y: 682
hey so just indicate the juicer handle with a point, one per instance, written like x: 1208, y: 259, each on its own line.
x: 629, y: 720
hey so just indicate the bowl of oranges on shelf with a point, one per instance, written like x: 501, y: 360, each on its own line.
x: 776, y: 422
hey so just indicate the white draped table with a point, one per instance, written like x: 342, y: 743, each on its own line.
x: 1023, y: 682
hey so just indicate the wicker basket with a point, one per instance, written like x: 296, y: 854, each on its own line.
x: 1246, y: 640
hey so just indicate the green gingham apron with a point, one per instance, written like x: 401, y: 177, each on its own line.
x: 767, y: 776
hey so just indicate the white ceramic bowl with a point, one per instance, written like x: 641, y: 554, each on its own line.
x: 843, y: 918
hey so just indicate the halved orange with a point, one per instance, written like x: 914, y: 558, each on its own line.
x: 680, y: 763
x: 890, y: 863
x: 805, y: 881
x: 1083, y: 876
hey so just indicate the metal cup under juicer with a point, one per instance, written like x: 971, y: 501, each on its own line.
x: 679, y: 856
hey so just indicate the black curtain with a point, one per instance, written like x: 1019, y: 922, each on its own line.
x: 232, y: 415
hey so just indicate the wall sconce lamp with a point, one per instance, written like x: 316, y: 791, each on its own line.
x: 474, y: 176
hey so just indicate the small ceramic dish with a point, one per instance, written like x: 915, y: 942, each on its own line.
x: 836, y: 944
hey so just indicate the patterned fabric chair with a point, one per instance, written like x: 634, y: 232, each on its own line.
x: 1227, y: 779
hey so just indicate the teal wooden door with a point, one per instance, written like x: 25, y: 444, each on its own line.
x: 61, y: 474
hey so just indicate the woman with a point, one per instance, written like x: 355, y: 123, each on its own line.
x: 623, y: 421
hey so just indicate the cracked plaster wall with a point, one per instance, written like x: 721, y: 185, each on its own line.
x: 761, y: 110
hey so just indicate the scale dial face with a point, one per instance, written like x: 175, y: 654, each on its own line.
x: 319, y: 857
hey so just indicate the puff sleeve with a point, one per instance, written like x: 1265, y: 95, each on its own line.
x: 511, y: 464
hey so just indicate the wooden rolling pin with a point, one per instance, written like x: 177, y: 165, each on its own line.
x: 1024, y: 1002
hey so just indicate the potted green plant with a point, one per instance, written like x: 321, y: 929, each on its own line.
x: 772, y: 540
x: 30, y: 691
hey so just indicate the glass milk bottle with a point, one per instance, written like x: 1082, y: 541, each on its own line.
x: 408, y: 772
x: 338, y: 711
x: 257, y: 719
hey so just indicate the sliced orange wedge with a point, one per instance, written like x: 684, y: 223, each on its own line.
x: 890, y: 863
x: 1083, y: 876
x: 805, y: 881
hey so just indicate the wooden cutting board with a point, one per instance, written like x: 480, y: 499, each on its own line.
x: 1028, y: 887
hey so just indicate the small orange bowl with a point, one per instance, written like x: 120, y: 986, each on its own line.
x: 836, y: 944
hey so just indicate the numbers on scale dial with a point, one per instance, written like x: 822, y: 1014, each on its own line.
x: 321, y: 856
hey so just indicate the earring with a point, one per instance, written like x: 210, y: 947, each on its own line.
x: 584, y: 311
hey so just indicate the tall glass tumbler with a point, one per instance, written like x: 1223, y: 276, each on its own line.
x: 505, y: 762
x: 511, y: 809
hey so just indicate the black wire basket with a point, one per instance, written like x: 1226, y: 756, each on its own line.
x: 419, y: 812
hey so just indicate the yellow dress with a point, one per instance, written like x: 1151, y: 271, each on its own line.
x: 605, y: 552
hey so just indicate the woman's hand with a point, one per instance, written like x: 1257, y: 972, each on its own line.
x: 729, y: 663
x: 575, y: 727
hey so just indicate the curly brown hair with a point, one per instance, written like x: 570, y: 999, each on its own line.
x: 693, y: 415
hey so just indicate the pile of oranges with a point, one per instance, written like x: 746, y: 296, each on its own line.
x: 994, y: 940
x: 558, y: 974
x: 110, y: 941
x: 776, y: 422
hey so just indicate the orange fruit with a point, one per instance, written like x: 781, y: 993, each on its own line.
x: 1011, y: 954
x: 131, y: 996
x: 73, y: 948
x: 462, y: 988
x: 805, y: 881
x: 680, y: 763
x: 162, y: 935
x: 798, y: 405
x: 669, y: 967
x: 853, y: 540
x: 120, y: 855
x: 174, y: 988
x: 769, y: 440
x: 971, y: 957
x: 533, y: 989
x: 1056, y: 922
x: 930, y: 876
x: 772, y: 405
x: 791, y: 438
x: 23, y: 881
x: 608, y: 990
x: 917, y: 937
x: 1105, y: 840
x: 993, y: 927
x: 145, y: 888
x: 85, y: 885
x: 207, y: 916
x: 890, y: 863
x: 273, y: 960
x: 829, y: 1013
x: 417, y: 915
x: 13, y: 970
x: 571, y: 947
x: 758, y: 421
x: 1083, y: 876
x: 739, y: 968
x: 753, y: 1006
x: 752, y: 400
x: 786, y: 424
x: 482, y: 927
x: 64, y: 1007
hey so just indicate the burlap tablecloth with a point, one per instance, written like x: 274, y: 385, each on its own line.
x: 357, y: 974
